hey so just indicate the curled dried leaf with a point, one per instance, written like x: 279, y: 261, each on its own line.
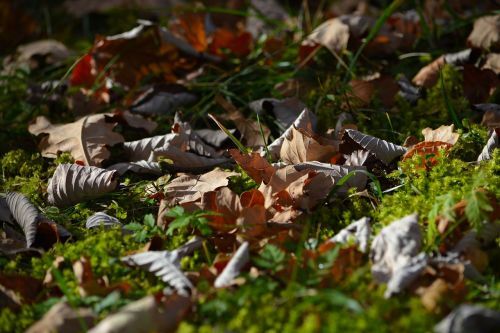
x: 394, y: 247
x: 63, y: 318
x: 492, y: 144
x: 384, y: 151
x: 469, y: 318
x: 256, y: 166
x: 86, y: 139
x: 358, y: 231
x: 441, y: 134
x: 300, y: 147
x: 102, y: 219
x: 141, y: 167
x: 141, y: 150
x: 233, y: 268
x: 486, y: 33
x: 72, y: 183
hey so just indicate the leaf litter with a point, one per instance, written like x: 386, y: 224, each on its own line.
x: 301, y: 206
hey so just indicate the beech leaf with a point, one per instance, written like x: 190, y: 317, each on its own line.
x: 63, y: 318
x: 332, y: 34
x: 486, y: 33
x: 358, y: 231
x: 146, y: 315
x: 441, y: 134
x: 299, y: 147
x: 164, y: 265
x: 86, y: 139
x: 306, y: 121
x: 72, y: 183
x: 233, y: 268
x: 469, y: 318
x: 394, y: 247
x: 142, y: 149
x: 492, y: 144
x: 25, y: 213
x: 184, y: 161
x: 256, y: 166
x: 101, y: 219
x: 189, y: 188
x: 141, y: 167
x: 384, y: 151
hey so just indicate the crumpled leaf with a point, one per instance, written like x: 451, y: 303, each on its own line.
x: 233, y: 268
x: 141, y: 167
x: 165, y: 265
x: 102, y: 219
x: 63, y: 318
x: 385, y: 151
x: 406, y: 274
x: 492, y: 62
x: 134, y: 120
x: 142, y: 150
x: 442, y: 134
x: 256, y: 166
x: 492, y: 144
x: 299, y: 147
x: 357, y: 158
x: 86, y: 139
x: 306, y: 121
x: 394, y: 247
x: 429, y: 74
x: 162, y: 99
x: 486, y: 33
x: 148, y: 314
x: 332, y: 34
x: 336, y: 172
x: 469, y: 318
x: 189, y: 188
x: 5, y: 214
x: 185, y: 161
x: 285, y: 111
x: 72, y: 183
x: 358, y: 231
x: 38, y: 230
x: 249, y: 129
x: 36, y: 54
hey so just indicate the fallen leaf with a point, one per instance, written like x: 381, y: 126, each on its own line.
x: 384, y: 151
x: 185, y: 161
x: 141, y: 167
x: 142, y: 150
x: 134, y: 120
x: 306, y: 121
x: 492, y: 62
x: 256, y: 166
x: 72, y: 183
x: 469, y: 318
x: 357, y: 232
x: 441, y: 134
x: 300, y: 147
x: 492, y: 144
x: 101, y: 219
x: 394, y: 247
x: 162, y: 264
x: 188, y: 188
x: 428, y: 75
x: 429, y: 150
x: 148, y: 314
x: 38, y: 230
x: 162, y: 99
x: 486, y: 33
x: 86, y: 139
x: 332, y: 34
x: 38, y: 54
x: 23, y: 289
x: 233, y: 268
x: 63, y: 318
x: 285, y: 111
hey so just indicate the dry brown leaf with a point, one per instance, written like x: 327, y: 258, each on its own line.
x: 240, y: 258
x: 428, y: 150
x: 305, y: 121
x: 149, y: 314
x: 478, y: 93
x: 187, y: 188
x: 332, y: 34
x: 256, y: 166
x: 429, y: 74
x: 469, y: 318
x: 492, y: 62
x: 486, y: 33
x: 86, y: 139
x: 299, y: 147
x: 185, y: 161
x: 492, y: 144
x: 442, y: 134
x: 72, y: 183
x: 249, y: 129
x: 135, y: 120
x: 384, y: 87
x: 62, y: 318
x: 142, y: 150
